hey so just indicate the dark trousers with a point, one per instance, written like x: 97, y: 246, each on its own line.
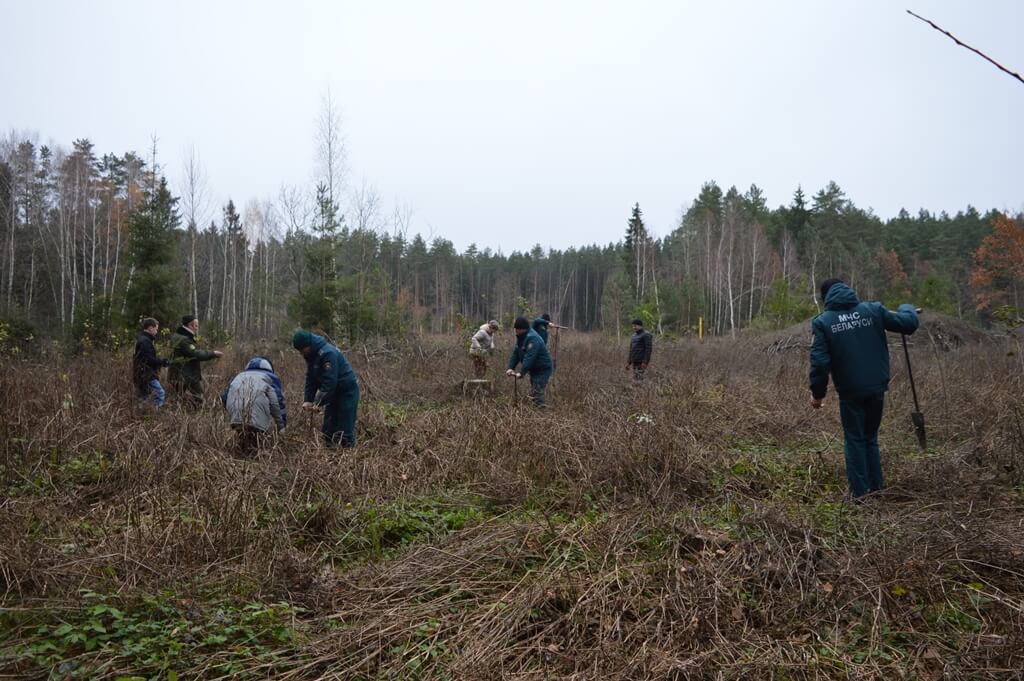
x: 250, y: 441
x: 340, y: 415
x: 861, y: 418
x: 638, y: 372
x: 189, y: 391
x: 538, y: 383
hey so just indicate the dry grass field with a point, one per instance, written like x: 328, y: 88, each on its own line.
x: 691, y: 528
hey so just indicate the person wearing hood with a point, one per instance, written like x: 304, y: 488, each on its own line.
x: 186, y: 373
x: 540, y: 325
x: 146, y: 366
x: 255, y: 403
x: 531, y: 353
x: 331, y: 388
x: 850, y: 345
x: 481, y: 346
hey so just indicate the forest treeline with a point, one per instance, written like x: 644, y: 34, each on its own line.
x: 91, y: 242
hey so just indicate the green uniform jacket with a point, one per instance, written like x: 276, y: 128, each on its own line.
x: 186, y: 372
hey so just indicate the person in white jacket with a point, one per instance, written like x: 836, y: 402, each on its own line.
x: 481, y: 346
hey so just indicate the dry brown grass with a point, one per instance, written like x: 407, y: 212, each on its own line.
x: 692, y: 528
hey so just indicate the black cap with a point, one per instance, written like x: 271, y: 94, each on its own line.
x: 187, y: 319
x: 828, y: 284
x: 546, y: 317
x: 638, y: 322
x: 521, y: 323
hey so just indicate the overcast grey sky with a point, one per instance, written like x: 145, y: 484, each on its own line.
x: 509, y: 124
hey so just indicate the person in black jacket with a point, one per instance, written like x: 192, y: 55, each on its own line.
x: 640, y: 345
x: 146, y: 365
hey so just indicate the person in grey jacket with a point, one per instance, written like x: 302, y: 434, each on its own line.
x: 255, y: 403
x: 481, y: 345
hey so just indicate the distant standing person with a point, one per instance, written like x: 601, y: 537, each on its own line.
x: 146, y: 365
x: 255, y: 403
x: 532, y: 355
x: 641, y: 343
x: 186, y: 372
x: 850, y: 344
x: 331, y: 388
x: 481, y: 346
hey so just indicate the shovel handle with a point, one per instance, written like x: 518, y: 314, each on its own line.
x: 910, y: 371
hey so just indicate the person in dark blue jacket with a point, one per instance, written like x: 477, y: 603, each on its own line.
x: 540, y: 325
x: 532, y: 354
x: 331, y: 388
x: 850, y: 344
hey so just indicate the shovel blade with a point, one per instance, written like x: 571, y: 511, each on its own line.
x: 917, y: 418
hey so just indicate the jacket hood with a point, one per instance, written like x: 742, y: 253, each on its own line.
x: 487, y: 328
x: 307, y: 339
x: 259, y: 364
x: 841, y: 297
x: 185, y: 332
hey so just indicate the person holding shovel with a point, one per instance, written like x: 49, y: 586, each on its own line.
x: 331, y: 388
x: 532, y: 353
x: 541, y: 324
x: 850, y: 344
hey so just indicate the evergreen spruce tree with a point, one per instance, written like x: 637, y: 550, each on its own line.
x: 152, y: 244
x: 636, y: 253
x: 315, y: 307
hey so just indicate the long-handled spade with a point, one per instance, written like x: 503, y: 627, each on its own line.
x: 915, y: 416
x: 515, y: 389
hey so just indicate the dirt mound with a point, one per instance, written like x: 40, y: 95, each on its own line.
x: 950, y: 333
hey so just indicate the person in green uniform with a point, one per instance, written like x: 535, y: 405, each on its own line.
x: 186, y: 374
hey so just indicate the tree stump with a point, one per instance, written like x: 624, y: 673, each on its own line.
x: 476, y: 386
